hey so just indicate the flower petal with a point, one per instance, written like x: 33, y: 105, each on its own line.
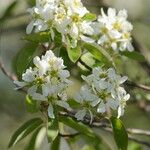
x: 51, y: 111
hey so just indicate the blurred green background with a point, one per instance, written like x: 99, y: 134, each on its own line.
x: 12, y: 107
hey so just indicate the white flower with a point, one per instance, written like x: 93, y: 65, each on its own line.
x: 87, y: 100
x: 47, y: 81
x: 81, y: 114
x: 122, y: 99
x: 114, y: 30
x: 61, y: 15
x: 102, y: 91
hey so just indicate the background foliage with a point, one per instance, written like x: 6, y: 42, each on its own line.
x: 12, y: 106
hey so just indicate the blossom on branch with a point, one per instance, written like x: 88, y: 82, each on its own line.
x: 102, y: 91
x: 113, y: 30
x: 65, y: 16
x: 47, y: 81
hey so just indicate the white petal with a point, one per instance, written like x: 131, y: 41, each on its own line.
x: 30, y: 27
x: 130, y: 47
x: 123, y: 14
x: 120, y: 111
x: 113, y: 104
x: 32, y: 90
x: 114, y: 34
x: 102, y: 39
x: 123, y: 79
x: 51, y: 111
x: 127, y: 97
x: 20, y: 84
x: 101, y: 108
x: 52, y: 34
x: 80, y: 114
x: 63, y: 104
x: 37, y: 96
x: 112, y: 12
x: 95, y: 102
x: 87, y: 39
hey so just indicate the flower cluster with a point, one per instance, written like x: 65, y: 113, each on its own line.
x: 47, y: 81
x: 65, y: 16
x: 113, y: 30
x: 102, y: 91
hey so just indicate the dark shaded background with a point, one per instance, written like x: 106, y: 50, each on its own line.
x: 12, y: 108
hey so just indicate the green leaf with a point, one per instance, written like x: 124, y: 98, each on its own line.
x: 8, y: 11
x: 85, y: 131
x: 24, y: 130
x: 31, y: 2
x: 73, y: 53
x: 89, y: 17
x: 120, y: 134
x: 40, y: 37
x: 31, y: 105
x: 53, y: 127
x: 87, y: 148
x: 76, y: 125
x: 133, y: 55
x: 24, y: 58
x: 98, y: 53
x: 56, y: 143
x: 57, y: 38
x: 32, y: 142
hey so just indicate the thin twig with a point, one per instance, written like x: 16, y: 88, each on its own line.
x: 138, y: 132
x: 140, y: 141
x: 69, y: 135
x: 9, y: 75
x: 139, y: 48
x: 128, y: 83
x: 84, y: 64
x: 140, y: 86
x: 106, y: 127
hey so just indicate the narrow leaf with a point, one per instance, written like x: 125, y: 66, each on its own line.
x: 52, y: 131
x: 31, y: 2
x: 31, y: 105
x: 89, y: 17
x: 56, y: 143
x: 40, y: 37
x: 24, y: 130
x: 73, y: 53
x: 133, y: 55
x: 24, y: 58
x: 85, y: 131
x: 32, y: 143
x: 120, y: 134
x: 98, y: 53
x: 8, y: 11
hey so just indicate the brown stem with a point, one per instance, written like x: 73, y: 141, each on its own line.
x: 128, y: 83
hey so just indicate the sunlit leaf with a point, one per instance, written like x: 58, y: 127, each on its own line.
x: 73, y: 53
x: 85, y: 131
x: 133, y: 55
x: 120, y: 134
x: 56, y: 143
x: 8, y: 11
x: 24, y: 130
x: 89, y: 17
x: 98, y: 53
x: 31, y: 2
x: 31, y: 105
x: 52, y: 131
x: 32, y: 142
x: 24, y: 58
x: 40, y: 37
